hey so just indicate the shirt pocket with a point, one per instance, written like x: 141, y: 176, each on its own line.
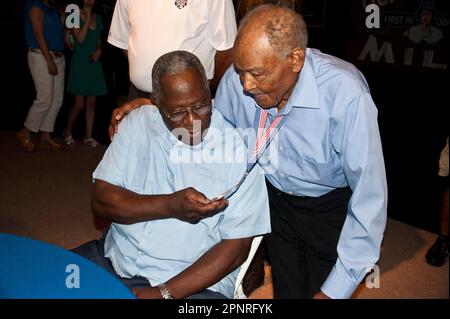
x: 327, y: 173
x: 210, y: 182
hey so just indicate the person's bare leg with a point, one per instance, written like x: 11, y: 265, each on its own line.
x: 90, y: 115
x: 444, y: 213
x: 73, y: 114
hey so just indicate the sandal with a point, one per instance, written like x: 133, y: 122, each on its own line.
x: 69, y: 141
x: 49, y: 145
x: 25, y: 141
x: 91, y: 142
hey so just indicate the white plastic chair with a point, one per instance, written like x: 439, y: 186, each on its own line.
x: 238, y: 290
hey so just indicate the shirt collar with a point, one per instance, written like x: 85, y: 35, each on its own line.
x: 305, y: 93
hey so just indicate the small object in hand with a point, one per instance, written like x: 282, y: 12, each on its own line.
x: 232, y: 190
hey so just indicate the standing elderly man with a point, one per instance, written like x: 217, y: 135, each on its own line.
x: 325, y: 173
x: 328, y: 193
x: 169, y: 239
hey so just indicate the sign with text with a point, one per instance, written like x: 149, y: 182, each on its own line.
x: 410, y: 34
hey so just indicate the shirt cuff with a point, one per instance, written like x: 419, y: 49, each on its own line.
x: 338, y: 286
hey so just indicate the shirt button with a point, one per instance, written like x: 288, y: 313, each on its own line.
x: 283, y: 175
x: 281, y: 148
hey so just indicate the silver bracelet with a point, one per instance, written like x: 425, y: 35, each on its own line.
x: 165, y: 294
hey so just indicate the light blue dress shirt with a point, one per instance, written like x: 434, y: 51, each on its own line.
x: 146, y: 158
x: 329, y: 140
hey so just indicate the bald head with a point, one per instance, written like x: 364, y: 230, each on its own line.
x: 283, y: 28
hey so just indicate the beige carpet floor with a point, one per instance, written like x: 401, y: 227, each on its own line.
x: 46, y: 195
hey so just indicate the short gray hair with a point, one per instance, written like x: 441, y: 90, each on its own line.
x: 172, y: 63
x: 284, y: 28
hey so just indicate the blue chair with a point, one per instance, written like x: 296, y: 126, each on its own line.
x: 33, y: 269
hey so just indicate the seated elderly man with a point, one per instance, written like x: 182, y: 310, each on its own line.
x: 169, y: 237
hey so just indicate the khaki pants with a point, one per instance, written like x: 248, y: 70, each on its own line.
x: 49, y: 93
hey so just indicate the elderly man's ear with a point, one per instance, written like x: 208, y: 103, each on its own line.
x: 297, y: 57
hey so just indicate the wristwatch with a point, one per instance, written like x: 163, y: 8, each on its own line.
x: 165, y: 294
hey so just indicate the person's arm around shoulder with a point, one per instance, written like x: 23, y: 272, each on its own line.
x: 119, y: 113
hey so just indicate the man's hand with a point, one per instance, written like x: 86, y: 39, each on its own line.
x: 192, y: 206
x: 120, y: 112
x: 52, y: 68
x: 147, y: 293
x: 320, y: 295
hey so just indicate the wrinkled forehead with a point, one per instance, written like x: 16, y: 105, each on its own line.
x: 183, y: 90
x: 249, y: 33
x: 254, y: 52
x: 250, y: 41
x: 184, y: 82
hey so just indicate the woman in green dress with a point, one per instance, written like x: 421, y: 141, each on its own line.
x: 86, y: 79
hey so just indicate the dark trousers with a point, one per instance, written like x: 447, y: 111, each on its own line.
x: 95, y: 252
x: 303, y: 244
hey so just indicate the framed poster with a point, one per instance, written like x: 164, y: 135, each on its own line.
x: 411, y: 34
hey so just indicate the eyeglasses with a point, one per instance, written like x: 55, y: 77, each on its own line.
x: 200, y: 109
